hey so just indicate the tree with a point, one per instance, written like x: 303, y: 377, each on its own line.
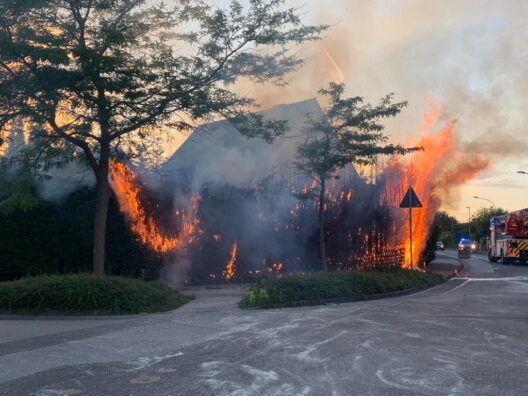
x: 347, y: 132
x: 447, y: 227
x: 480, y: 221
x: 444, y: 228
x: 101, y: 78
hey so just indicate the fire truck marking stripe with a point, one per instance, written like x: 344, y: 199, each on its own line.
x: 520, y: 245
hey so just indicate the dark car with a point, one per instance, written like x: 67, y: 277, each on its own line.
x: 440, y: 245
x: 465, y: 247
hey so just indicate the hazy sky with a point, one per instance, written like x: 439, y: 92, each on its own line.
x: 470, y: 56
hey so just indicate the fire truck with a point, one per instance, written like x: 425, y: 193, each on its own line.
x: 509, y: 237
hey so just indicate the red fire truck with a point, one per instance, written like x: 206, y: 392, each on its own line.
x: 509, y: 237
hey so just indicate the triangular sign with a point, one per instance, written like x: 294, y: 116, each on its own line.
x: 410, y: 200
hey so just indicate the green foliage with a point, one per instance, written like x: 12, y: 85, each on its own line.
x: 103, y: 78
x: 320, y: 288
x: 19, y: 195
x: 55, y: 238
x: 16, y: 183
x: 348, y: 132
x: 89, y: 294
x: 429, y: 252
x: 115, y: 70
x: 480, y: 221
x: 444, y: 228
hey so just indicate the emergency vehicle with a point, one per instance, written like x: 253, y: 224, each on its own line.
x: 509, y: 237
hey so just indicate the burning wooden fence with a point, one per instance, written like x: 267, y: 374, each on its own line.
x: 237, y: 234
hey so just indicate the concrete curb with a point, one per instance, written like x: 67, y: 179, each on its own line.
x: 459, y: 268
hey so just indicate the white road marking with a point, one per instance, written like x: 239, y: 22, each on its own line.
x: 144, y: 362
x: 457, y: 287
x: 505, y: 279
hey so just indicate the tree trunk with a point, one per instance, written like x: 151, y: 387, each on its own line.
x: 322, y: 248
x: 101, y: 211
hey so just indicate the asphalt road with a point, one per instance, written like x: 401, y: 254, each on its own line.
x: 467, y: 336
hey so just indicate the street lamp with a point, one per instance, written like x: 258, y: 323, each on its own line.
x: 485, y: 199
x: 469, y: 221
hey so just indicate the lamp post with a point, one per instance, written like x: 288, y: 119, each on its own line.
x: 469, y: 221
x: 485, y: 199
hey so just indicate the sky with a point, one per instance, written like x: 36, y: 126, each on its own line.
x: 468, y: 56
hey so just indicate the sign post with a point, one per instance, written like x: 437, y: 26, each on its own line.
x: 410, y: 201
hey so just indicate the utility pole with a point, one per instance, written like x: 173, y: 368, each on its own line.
x: 469, y: 222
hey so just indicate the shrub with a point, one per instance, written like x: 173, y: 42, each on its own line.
x: 56, y: 238
x: 84, y: 293
x: 318, y: 288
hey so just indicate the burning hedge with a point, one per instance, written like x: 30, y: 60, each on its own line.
x: 229, y: 208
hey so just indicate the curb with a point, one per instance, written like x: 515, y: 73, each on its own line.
x: 457, y: 269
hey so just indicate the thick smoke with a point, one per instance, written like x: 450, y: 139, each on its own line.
x: 247, y: 197
x: 467, y: 55
x: 242, y: 183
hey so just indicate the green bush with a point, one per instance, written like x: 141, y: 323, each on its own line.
x: 84, y: 293
x: 56, y: 238
x: 312, y: 289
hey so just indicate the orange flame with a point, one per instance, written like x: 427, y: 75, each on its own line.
x: 229, y: 271
x: 276, y: 268
x: 124, y: 183
x: 339, y: 77
x: 443, y: 165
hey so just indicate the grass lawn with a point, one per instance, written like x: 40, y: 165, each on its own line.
x: 87, y: 294
x: 313, y: 289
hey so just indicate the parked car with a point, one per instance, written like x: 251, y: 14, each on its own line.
x: 465, y: 247
x: 440, y: 245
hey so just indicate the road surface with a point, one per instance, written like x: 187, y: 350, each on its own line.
x: 467, y: 336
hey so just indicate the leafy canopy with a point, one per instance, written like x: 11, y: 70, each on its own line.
x: 103, y: 76
x: 347, y: 132
x: 480, y: 221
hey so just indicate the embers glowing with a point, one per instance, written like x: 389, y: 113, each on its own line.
x: 229, y: 271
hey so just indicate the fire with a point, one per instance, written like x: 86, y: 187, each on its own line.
x: 124, y: 183
x: 276, y: 268
x: 229, y: 271
x: 443, y: 165
x: 381, y: 241
x: 339, y: 77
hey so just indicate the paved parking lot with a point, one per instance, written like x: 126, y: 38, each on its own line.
x: 467, y: 336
